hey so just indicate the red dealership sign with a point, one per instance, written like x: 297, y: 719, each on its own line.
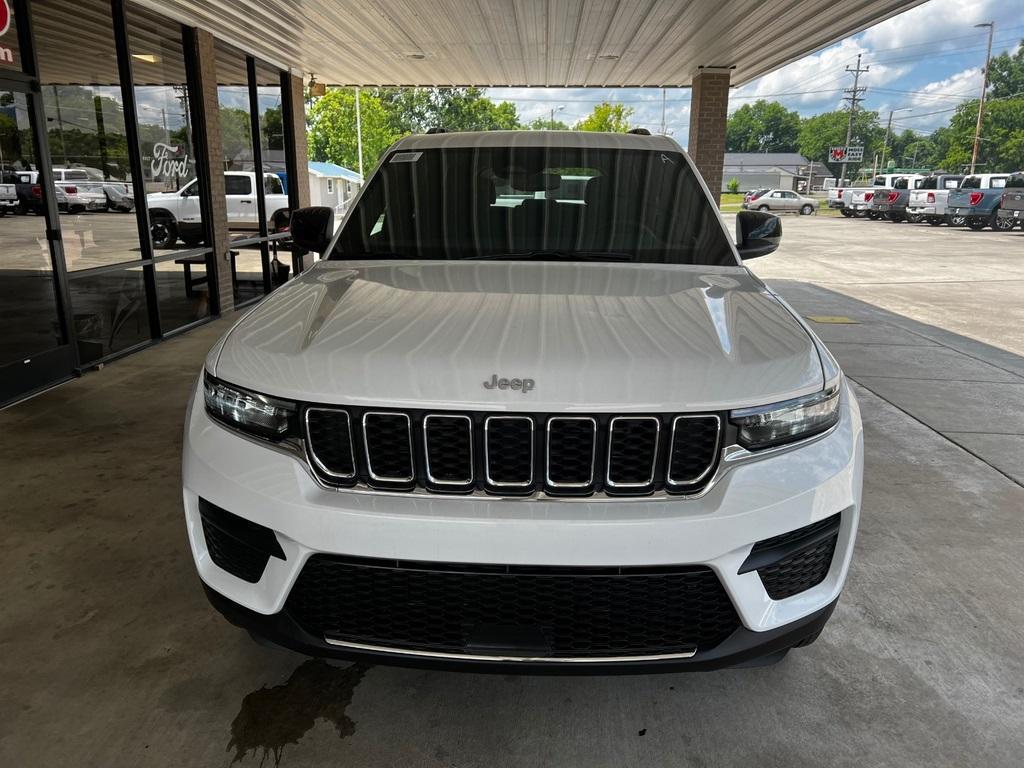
x: 5, y: 16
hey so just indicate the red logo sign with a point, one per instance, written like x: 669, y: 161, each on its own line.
x: 5, y: 17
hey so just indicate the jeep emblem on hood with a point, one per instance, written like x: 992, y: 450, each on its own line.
x: 523, y: 385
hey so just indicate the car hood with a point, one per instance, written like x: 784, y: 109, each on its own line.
x: 628, y: 337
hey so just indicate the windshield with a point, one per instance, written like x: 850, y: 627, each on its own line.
x: 536, y: 202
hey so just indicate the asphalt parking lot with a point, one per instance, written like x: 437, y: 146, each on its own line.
x: 111, y: 656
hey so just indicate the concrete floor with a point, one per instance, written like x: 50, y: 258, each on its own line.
x: 110, y: 655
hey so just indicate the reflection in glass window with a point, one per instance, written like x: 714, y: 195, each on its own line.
x: 110, y: 312
x: 271, y: 114
x: 81, y: 96
x: 162, y: 99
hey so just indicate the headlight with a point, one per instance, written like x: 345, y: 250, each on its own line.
x: 770, y: 425
x: 250, y: 412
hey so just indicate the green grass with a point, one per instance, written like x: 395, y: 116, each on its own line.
x: 731, y: 202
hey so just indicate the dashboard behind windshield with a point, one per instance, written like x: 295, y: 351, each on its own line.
x: 536, y: 202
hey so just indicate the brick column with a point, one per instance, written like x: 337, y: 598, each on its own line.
x: 206, y: 67
x: 709, y: 108
x: 299, y: 151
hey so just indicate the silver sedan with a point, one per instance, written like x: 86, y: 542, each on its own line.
x: 783, y: 200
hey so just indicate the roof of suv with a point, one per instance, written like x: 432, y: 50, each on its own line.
x: 587, y: 139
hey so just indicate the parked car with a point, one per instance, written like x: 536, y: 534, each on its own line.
x: 83, y: 194
x: 783, y: 200
x: 891, y: 202
x: 858, y: 200
x: 977, y: 200
x: 8, y: 193
x: 549, y: 435
x: 755, y: 193
x: 1011, y: 207
x: 119, y: 193
x: 928, y: 201
x: 175, y: 215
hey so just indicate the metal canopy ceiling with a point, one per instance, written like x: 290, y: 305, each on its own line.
x: 552, y: 43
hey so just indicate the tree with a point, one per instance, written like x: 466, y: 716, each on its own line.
x: 332, y: 128
x: 764, y: 126
x: 733, y: 186
x: 607, y: 118
x: 236, y: 136
x: 1006, y: 74
x: 415, y: 110
x: 547, y: 124
x: 1002, y: 136
x: 828, y: 129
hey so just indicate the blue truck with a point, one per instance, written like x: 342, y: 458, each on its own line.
x: 977, y: 201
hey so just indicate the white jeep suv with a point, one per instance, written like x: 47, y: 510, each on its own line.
x: 530, y: 411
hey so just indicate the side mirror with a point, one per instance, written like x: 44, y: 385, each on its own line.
x: 312, y: 228
x: 757, y: 233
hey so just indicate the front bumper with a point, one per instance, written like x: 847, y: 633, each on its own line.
x: 753, y: 501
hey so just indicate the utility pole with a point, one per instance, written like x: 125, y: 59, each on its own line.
x: 888, y: 132
x: 663, y: 126
x: 984, y: 87
x: 854, y: 98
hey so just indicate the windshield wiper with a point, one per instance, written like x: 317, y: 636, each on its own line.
x: 553, y: 256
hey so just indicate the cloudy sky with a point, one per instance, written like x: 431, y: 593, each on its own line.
x: 928, y: 59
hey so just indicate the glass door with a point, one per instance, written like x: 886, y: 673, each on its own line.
x: 34, y: 347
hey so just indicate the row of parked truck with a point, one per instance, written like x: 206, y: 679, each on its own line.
x: 976, y: 201
x: 75, y: 189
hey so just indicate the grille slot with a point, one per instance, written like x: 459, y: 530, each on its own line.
x: 568, y: 612
x: 572, y: 451
x: 509, y: 452
x: 632, y: 451
x: 695, y: 444
x: 387, y: 438
x: 329, y: 436
x: 448, y: 444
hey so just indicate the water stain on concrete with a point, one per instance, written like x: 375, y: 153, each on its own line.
x: 272, y: 718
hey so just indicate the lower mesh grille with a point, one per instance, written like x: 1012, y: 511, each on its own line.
x: 799, y: 571
x: 564, y: 612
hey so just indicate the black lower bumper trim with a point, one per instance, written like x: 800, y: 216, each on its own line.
x: 741, y: 646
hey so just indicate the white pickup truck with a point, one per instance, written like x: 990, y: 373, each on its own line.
x: 857, y: 201
x: 929, y: 201
x: 176, y: 215
x: 8, y: 194
x: 83, y: 194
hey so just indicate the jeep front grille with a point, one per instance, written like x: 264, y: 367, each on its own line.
x: 513, y: 454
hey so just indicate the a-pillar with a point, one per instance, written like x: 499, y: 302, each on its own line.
x: 709, y: 108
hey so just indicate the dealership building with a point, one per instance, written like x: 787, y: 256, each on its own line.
x: 105, y: 104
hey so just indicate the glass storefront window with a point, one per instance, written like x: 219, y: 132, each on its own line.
x: 162, y: 101
x: 82, y: 100
x: 272, y: 139
x: 28, y: 306
x: 109, y: 312
x: 240, y: 171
